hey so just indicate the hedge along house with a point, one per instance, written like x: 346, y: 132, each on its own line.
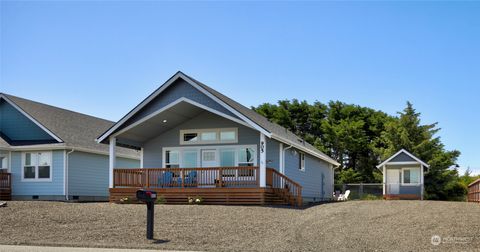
x: 194, y: 141
x: 49, y: 153
x: 403, y: 175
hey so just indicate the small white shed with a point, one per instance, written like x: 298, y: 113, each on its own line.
x: 403, y: 175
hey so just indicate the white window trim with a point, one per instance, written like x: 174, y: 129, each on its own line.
x: 301, y: 164
x: 36, y: 179
x: 200, y: 131
x: 403, y: 175
x: 208, y: 147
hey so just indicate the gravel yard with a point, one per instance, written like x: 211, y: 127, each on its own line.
x: 354, y: 225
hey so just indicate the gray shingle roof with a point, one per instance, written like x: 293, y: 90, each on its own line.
x: 75, y: 129
x: 262, y: 121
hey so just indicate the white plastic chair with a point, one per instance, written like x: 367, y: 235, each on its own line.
x: 344, y: 197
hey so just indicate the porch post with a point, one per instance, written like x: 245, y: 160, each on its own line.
x: 141, y: 157
x: 263, y: 161
x: 384, y: 179
x: 112, y: 160
x: 421, y: 182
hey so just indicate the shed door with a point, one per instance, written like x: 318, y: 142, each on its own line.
x: 393, y: 181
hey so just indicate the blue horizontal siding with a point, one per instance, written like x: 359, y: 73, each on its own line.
x: 316, y: 180
x: 16, y: 126
x: 88, y: 173
x: 55, y: 187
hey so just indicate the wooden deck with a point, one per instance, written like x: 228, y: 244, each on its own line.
x: 474, y: 191
x: 218, y: 185
x: 401, y: 197
x: 5, y: 186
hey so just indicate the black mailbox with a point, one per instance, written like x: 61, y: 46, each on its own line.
x: 148, y: 197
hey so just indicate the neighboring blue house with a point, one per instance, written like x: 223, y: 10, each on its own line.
x: 51, y: 152
x: 194, y: 138
x: 403, y: 176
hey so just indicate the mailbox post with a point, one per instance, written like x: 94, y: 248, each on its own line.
x: 149, y: 198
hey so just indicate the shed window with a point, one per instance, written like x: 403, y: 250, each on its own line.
x: 411, y: 176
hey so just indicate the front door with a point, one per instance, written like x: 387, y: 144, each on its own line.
x: 208, y: 158
x: 393, y: 181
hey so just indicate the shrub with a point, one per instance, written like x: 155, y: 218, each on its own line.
x: 371, y: 197
x: 197, y: 200
x: 125, y: 200
x: 160, y: 200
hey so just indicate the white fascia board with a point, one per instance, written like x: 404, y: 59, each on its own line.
x: 305, y: 149
x: 31, y: 118
x: 408, y: 154
x: 161, y: 89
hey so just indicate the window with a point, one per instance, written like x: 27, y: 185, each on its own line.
x: 37, y: 166
x: 228, y: 135
x: 3, y: 163
x: 410, y: 176
x: 246, y: 157
x: 172, y: 159
x: 190, y: 137
x: 190, y: 159
x: 208, y: 136
x: 227, y: 159
x: 301, y: 165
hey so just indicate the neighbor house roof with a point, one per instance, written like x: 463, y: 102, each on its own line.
x: 256, y: 120
x: 71, y: 129
x: 405, y: 152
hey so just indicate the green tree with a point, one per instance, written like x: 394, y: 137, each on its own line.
x: 407, y: 132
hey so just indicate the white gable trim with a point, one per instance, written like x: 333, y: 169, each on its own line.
x: 398, y: 153
x: 161, y: 89
x: 31, y: 118
x: 172, y: 104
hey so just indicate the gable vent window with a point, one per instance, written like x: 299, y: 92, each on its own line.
x: 208, y: 136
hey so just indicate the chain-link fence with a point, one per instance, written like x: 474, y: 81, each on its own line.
x: 361, y: 191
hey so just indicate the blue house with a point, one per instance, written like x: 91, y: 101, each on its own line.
x: 49, y: 153
x: 197, y: 142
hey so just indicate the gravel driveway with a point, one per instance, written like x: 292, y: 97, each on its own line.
x: 354, y: 225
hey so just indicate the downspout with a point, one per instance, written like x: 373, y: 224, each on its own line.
x: 66, y: 173
x: 283, y: 159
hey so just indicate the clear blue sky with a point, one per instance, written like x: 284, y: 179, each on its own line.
x: 103, y: 58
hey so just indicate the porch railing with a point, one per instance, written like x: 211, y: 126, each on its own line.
x: 187, y: 177
x: 5, y: 181
x: 474, y: 191
x: 285, y: 187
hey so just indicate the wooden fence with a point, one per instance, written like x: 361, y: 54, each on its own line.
x: 474, y: 191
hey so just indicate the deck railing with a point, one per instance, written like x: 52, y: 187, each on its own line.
x: 5, y: 181
x: 474, y: 191
x: 243, y: 176
x: 285, y: 187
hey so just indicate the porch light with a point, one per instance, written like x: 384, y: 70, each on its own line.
x: 164, y: 120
